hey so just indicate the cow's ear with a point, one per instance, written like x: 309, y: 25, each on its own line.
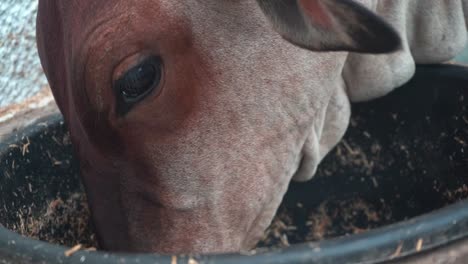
x: 331, y: 25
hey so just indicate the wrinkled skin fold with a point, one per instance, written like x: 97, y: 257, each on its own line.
x: 251, y: 97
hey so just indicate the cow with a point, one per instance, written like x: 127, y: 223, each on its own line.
x: 191, y: 117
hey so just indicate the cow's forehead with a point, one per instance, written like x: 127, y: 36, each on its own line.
x: 227, y: 27
x: 79, y: 18
x: 89, y: 12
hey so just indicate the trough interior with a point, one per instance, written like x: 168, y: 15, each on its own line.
x: 403, y: 155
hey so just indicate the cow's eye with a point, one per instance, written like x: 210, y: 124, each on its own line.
x: 137, y: 83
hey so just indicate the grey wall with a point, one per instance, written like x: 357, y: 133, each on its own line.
x: 20, y: 72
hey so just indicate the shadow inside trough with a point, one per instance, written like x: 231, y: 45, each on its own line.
x: 403, y: 155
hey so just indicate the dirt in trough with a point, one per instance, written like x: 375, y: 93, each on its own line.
x: 334, y: 217
x: 330, y: 219
x: 62, y: 222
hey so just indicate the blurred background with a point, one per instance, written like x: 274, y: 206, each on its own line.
x: 21, y: 74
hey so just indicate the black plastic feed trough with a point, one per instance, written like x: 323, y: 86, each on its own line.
x: 405, y: 157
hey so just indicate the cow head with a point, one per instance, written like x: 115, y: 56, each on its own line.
x: 191, y: 117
